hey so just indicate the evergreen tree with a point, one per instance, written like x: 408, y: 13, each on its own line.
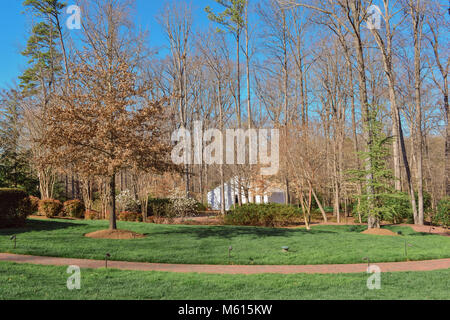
x: 44, y: 61
x: 41, y: 79
x: 382, y: 204
x: 49, y: 11
x: 15, y: 171
x: 232, y: 19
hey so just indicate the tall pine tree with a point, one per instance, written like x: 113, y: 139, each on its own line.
x: 40, y: 81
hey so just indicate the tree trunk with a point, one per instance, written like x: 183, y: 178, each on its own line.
x: 447, y: 150
x: 407, y: 169
x: 222, y: 175
x: 112, y: 202
x: 287, y: 199
x: 238, y: 71
x: 324, y: 215
x: 247, y: 56
x: 417, y: 23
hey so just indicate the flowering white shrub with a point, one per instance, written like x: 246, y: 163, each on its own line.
x: 128, y: 202
x: 181, y: 205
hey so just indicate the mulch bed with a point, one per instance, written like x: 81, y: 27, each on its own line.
x: 380, y: 232
x: 114, y: 234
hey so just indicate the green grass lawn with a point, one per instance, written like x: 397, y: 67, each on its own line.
x: 209, y: 245
x: 44, y: 282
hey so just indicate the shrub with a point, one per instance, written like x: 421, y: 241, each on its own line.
x: 160, y: 207
x: 50, y: 208
x: 396, y: 209
x: 74, y: 209
x: 127, y: 202
x: 130, y: 216
x: 172, y: 208
x: 201, y: 207
x: 442, y: 215
x: 400, y: 208
x: 328, y: 209
x: 15, y: 207
x: 181, y: 205
x: 267, y: 215
x: 184, y: 207
x: 426, y: 201
x: 91, y: 215
x: 34, y: 204
x: 97, y: 205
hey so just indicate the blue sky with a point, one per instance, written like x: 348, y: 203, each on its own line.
x: 13, y: 37
x: 14, y: 25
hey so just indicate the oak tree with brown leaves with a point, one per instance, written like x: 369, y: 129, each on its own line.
x: 100, y: 128
x: 106, y: 121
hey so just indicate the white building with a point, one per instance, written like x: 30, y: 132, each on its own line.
x: 270, y: 195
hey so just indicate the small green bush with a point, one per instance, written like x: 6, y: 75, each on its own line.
x: 400, y: 206
x: 15, y: 207
x: 397, y: 209
x: 426, y: 201
x: 50, y: 208
x: 267, y: 215
x: 328, y: 209
x: 74, y: 209
x: 442, y: 215
x: 201, y: 207
x: 160, y: 207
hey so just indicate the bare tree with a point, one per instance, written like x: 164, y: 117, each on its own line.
x: 416, y: 11
x: 177, y: 23
x: 436, y: 23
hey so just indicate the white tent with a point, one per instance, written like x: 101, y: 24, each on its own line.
x: 272, y: 195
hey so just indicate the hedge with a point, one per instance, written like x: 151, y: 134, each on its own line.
x: 173, y: 208
x: 400, y: 208
x: 34, y: 204
x: 74, y: 209
x: 50, y: 208
x: 15, y: 207
x: 266, y: 215
x: 92, y: 215
x: 160, y: 207
x: 130, y: 216
x: 442, y: 216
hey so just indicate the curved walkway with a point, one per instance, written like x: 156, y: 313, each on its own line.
x: 230, y: 269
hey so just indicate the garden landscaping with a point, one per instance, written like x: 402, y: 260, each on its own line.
x: 254, y: 252
x: 180, y: 244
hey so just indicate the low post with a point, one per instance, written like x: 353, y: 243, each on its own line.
x: 14, y: 237
x: 368, y: 261
x: 106, y: 260
x: 406, y: 249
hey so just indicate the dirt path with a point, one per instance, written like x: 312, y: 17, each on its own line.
x: 230, y: 269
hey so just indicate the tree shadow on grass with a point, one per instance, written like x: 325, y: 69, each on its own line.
x: 408, y: 231
x: 420, y: 234
x: 227, y: 232
x: 39, y: 225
